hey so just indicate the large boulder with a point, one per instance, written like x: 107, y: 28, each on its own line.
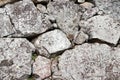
x: 103, y: 28
x: 89, y: 62
x: 15, y: 58
x: 27, y: 20
x: 67, y: 16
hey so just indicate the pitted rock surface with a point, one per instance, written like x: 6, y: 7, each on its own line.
x: 42, y: 67
x: 90, y: 62
x: 15, y: 58
x: 6, y: 27
x: 103, y: 28
x: 59, y: 39
x: 27, y: 20
x: 109, y: 7
x: 67, y: 16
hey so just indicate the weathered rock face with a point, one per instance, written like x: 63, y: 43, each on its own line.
x: 89, y: 13
x: 6, y: 28
x: 15, y: 58
x: 90, y: 62
x: 81, y: 38
x: 103, y: 28
x: 67, y: 16
x: 69, y: 39
x: 41, y: 8
x: 109, y: 7
x: 42, y: 67
x: 53, y: 41
x: 27, y: 20
x: 87, y: 5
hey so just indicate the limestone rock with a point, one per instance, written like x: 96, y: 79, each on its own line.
x: 67, y: 16
x: 42, y: 67
x: 15, y: 58
x: 103, y: 28
x: 6, y: 28
x: 81, y: 38
x: 53, y: 41
x: 27, y: 20
x: 90, y: 62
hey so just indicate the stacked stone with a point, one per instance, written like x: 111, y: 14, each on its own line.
x: 59, y: 40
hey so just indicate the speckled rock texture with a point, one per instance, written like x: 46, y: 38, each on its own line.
x: 90, y: 62
x: 59, y: 39
x: 15, y: 58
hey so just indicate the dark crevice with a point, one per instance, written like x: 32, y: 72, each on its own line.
x: 118, y: 43
x: 35, y: 55
x: 30, y: 38
x: 54, y: 55
x: 44, y: 3
x: 33, y: 77
x: 95, y: 40
x: 12, y: 2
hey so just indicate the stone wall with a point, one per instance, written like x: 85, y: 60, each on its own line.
x: 59, y: 39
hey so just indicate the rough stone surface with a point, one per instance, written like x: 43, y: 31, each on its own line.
x: 42, y: 67
x: 15, y: 58
x: 42, y: 8
x: 6, y: 28
x: 89, y: 13
x: 81, y: 38
x: 3, y: 2
x: 69, y: 39
x: 109, y: 7
x: 87, y: 5
x: 90, y: 62
x: 27, y: 20
x: 103, y: 28
x: 67, y: 16
x: 53, y: 41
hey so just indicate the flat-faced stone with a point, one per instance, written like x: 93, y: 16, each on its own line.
x: 90, y: 62
x: 53, y: 41
x: 67, y: 16
x: 42, y: 67
x: 109, y: 7
x: 6, y: 27
x: 27, y: 20
x: 15, y: 58
x: 103, y: 28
